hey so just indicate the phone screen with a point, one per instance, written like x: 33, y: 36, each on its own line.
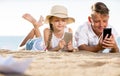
x: 67, y: 37
x: 107, y: 31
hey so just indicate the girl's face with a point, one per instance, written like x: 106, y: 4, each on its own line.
x: 58, y: 23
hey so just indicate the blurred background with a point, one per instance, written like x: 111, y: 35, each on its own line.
x: 13, y: 28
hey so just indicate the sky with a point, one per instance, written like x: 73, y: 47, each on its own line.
x: 11, y: 11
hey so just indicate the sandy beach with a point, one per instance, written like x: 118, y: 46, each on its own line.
x: 67, y: 63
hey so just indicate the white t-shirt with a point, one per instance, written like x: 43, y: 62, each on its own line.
x: 55, y: 40
x: 86, y: 35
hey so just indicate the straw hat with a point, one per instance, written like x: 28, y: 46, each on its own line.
x: 61, y: 12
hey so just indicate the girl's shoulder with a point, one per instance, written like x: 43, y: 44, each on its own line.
x: 46, y: 30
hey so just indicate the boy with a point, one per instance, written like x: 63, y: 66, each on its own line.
x: 89, y: 35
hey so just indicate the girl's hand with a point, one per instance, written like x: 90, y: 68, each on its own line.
x: 61, y: 44
x: 70, y: 46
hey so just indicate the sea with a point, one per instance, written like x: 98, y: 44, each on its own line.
x: 10, y: 42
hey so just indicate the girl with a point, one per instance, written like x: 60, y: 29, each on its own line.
x: 53, y: 36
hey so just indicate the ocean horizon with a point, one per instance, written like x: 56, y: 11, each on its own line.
x: 10, y: 42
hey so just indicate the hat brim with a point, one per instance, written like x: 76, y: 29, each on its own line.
x: 69, y: 19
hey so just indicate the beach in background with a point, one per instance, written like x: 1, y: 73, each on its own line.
x: 12, y: 23
x: 81, y: 63
x: 13, y: 42
x: 18, y: 28
x: 10, y: 42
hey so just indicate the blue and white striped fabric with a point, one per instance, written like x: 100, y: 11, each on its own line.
x: 35, y: 44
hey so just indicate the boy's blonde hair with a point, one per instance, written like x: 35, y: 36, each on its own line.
x: 100, y: 8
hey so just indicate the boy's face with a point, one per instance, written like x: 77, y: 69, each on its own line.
x: 99, y: 22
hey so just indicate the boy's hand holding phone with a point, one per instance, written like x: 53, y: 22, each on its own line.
x: 107, y: 32
x: 108, y: 40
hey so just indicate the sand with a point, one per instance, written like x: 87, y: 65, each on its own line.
x: 81, y: 63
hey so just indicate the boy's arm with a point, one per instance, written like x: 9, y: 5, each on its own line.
x: 95, y: 48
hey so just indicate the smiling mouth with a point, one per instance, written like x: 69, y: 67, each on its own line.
x: 100, y: 28
x: 59, y: 26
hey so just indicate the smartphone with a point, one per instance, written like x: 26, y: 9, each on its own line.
x: 67, y: 37
x: 107, y: 31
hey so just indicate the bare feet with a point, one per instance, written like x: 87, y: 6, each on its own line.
x: 36, y: 24
x: 40, y: 21
x: 29, y: 18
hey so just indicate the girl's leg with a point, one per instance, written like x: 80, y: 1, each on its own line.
x: 40, y: 21
x: 29, y: 18
x: 38, y: 24
x: 29, y: 36
x: 35, y: 31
